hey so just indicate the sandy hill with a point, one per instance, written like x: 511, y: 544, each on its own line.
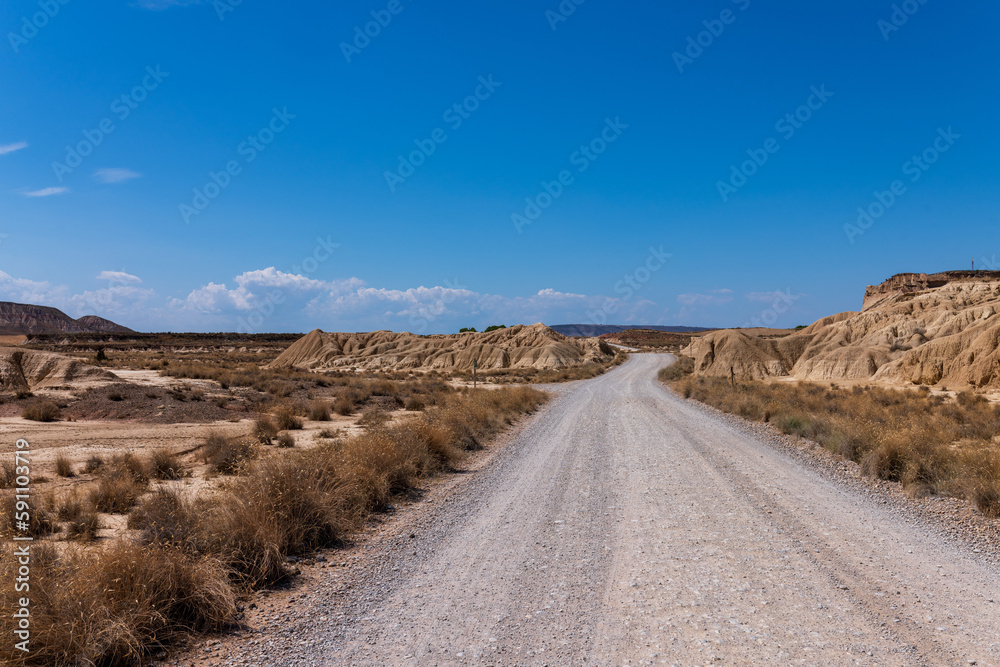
x: 913, y: 329
x: 30, y: 369
x: 535, y: 346
x: 23, y: 318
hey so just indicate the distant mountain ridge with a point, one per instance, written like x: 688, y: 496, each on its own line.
x: 594, y: 330
x: 23, y: 318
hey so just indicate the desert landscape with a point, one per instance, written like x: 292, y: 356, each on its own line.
x: 409, y: 334
x: 214, y: 479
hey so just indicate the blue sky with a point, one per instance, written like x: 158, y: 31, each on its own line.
x: 184, y: 165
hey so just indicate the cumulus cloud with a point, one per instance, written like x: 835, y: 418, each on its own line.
x: 10, y: 148
x: 267, y: 299
x: 45, y: 192
x: 115, y: 175
x: 23, y: 290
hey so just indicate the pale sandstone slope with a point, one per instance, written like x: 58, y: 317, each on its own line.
x: 22, y: 370
x: 939, y: 331
x: 535, y: 346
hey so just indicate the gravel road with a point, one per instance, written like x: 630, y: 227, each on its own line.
x: 625, y: 525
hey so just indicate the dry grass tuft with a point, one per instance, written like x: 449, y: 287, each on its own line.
x: 319, y: 411
x: 41, y: 411
x: 164, y: 464
x: 286, y: 419
x: 111, y: 606
x: 64, y: 467
x: 228, y: 455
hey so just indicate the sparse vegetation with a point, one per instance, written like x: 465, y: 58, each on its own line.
x: 928, y: 443
x: 228, y: 455
x: 319, y: 411
x: 683, y: 367
x: 164, y: 464
x: 41, y: 411
x: 64, y: 467
x: 194, y: 557
x: 286, y: 419
x: 118, y: 488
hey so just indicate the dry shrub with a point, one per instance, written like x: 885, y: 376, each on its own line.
x: 165, y: 517
x: 285, y: 440
x: 117, y: 490
x: 41, y: 411
x: 129, y: 463
x: 264, y: 429
x: 111, y: 606
x: 228, y: 455
x: 373, y: 418
x: 64, y: 467
x: 84, y: 524
x: 164, y: 464
x: 319, y: 411
x: 681, y: 368
x: 283, y: 506
x: 8, y: 474
x: 286, y: 419
x: 93, y: 464
x: 41, y: 520
x: 343, y: 406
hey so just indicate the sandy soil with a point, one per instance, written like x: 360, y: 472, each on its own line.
x: 625, y: 525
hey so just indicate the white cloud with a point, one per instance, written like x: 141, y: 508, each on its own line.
x: 10, y: 148
x: 22, y: 290
x: 119, y: 277
x: 45, y: 192
x: 115, y: 175
x: 269, y: 299
x: 713, y: 298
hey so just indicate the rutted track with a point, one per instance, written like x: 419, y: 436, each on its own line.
x: 623, y: 525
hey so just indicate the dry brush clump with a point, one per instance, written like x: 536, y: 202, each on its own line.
x: 928, y: 443
x: 113, y: 605
x: 41, y: 411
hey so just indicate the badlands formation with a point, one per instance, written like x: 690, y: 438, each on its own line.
x: 939, y: 329
x: 28, y: 370
x: 535, y: 346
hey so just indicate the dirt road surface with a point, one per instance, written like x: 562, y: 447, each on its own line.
x: 625, y: 525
